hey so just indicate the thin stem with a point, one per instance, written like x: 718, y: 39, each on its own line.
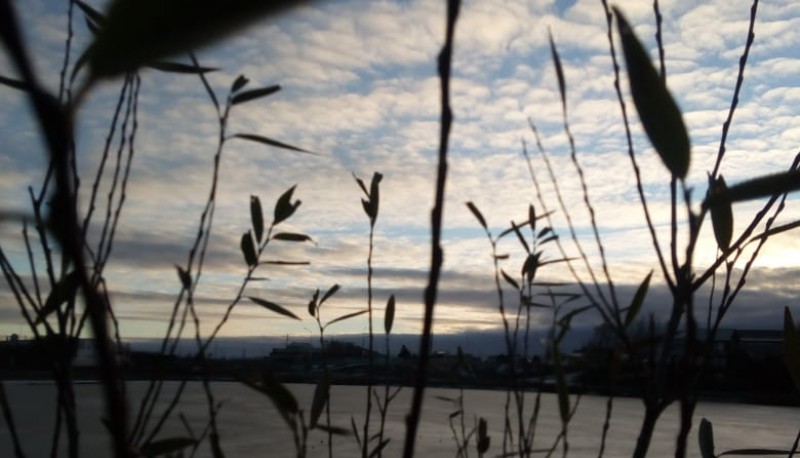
x: 9, y: 419
x: 370, y: 356
x: 631, y: 155
x: 444, y: 63
x: 659, y: 41
x: 739, y: 80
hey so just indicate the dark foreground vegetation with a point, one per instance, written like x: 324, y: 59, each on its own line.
x: 65, y: 296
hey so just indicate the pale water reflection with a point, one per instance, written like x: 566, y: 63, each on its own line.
x: 251, y: 427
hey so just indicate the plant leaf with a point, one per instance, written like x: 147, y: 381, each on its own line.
x: 186, y: 279
x: 312, y: 304
x: 177, y: 67
x: 321, y: 395
x: 509, y: 279
x: 388, y: 317
x: 658, y: 112
x: 561, y: 386
x: 374, y: 193
x: 763, y: 186
x: 12, y: 83
x: 361, y: 184
x: 791, y: 346
x: 532, y: 217
x: 521, y: 239
x: 257, y: 218
x: 274, y: 307
x: 291, y: 237
x: 271, y: 142
x: 638, y: 300
x: 355, y: 431
x: 284, y: 208
x: 335, y: 430
x: 721, y: 215
x: 346, y: 317
x: 331, y: 291
x: 283, y: 399
x: 92, y: 14
x: 137, y: 32
x: 286, y: 263
x: 166, y: 446
x: 239, y: 83
x: 562, y: 87
x: 477, y: 214
x: 530, y: 266
x: 705, y: 436
x: 254, y: 94
x: 248, y: 249
x: 483, y: 439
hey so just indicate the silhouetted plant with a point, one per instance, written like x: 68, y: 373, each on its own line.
x: 76, y: 247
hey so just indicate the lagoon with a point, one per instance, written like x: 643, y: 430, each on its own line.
x: 251, y: 426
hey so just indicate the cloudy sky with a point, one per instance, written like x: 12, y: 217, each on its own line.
x: 359, y: 87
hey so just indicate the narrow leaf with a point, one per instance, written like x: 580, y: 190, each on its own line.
x: 249, y: 249
x: 530, y: 266
x: 312, y: 304
x: 331, y: 291
x: 254, y: 94
x: 271, y: 142
x: 483, y: 439
x: 176, y: 67
x: 791, y: 346
x: 346, y: 317
x: 283, y: 399
x: 274, y: 307
x: 361, y: 184
x: 721, y: 215
x: 638, y: 300
x: 374, y: 194
x: 91, y: 13
x: 335, y: 430
x: 186, y: 279
x: 388, y: 317
x: 355, y: 431
x: 287, y: 263
x: 166, y: 446
x: 763, y: 186
x: 510, y: 280
x: 321, y: 395
x: 137, y: 32
x: 561, y: 386
x: 92, y: 26
x: 240, y: 82
x: 284, y: 208
x: 477, y: 214
x: 521, y: 239
x: 257, y: 218
x: 562, y: 87
x: 292, y: 237
x: 705, y: 436
x: 16, y: 84
x: 532, y: 217
x: 658, y: 112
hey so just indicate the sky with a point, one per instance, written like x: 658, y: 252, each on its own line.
x: 359, y: 87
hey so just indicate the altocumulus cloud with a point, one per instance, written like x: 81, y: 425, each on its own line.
x: 359, y: 87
